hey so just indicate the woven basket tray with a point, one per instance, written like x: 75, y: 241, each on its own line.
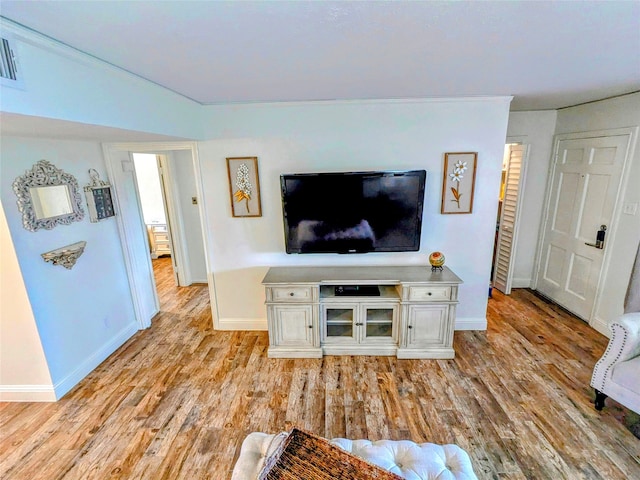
x: 304, y: 456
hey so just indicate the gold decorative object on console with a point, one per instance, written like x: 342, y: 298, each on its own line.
x: 436, y: 259
x: 65, y: 256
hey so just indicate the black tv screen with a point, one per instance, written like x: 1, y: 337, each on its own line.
x: 354, y: 212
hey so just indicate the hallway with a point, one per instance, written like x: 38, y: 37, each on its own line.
x: 184, y: 301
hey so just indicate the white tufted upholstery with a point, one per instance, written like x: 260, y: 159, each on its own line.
x: 408, y: 459
x: 616, y: 373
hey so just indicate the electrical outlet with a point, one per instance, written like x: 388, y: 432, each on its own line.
x: 194, y: 200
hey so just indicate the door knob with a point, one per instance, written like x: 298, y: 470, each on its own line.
x: 599, y: 238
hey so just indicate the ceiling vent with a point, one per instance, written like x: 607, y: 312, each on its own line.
x: 9, y: 71
x: 8, y: 67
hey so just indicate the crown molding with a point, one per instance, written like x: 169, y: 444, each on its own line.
x: 506, y: 99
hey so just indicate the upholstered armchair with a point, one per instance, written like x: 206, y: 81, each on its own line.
x: 617, y: 373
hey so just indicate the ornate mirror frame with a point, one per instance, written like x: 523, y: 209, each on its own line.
x: 45, y: 174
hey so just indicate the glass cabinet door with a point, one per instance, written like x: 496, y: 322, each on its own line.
x: 378, y: 322
x: 340, y: 323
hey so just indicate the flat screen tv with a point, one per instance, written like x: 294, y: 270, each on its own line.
x: 353, y: 212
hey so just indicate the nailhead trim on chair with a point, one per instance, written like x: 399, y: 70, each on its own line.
x: 604, y: 358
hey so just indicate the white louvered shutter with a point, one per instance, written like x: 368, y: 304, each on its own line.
x: 507, y: 233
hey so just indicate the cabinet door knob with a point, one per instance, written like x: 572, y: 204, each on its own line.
x: 310, y: 326
x: 409, y: 326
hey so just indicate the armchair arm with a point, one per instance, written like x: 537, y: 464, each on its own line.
x: 624, y: 344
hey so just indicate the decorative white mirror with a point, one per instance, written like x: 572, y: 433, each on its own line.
x: 47, y: 196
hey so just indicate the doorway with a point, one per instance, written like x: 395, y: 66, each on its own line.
x: 153, y: 203
x: 183, y: 187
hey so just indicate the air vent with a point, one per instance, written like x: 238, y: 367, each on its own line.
x: 8, y: 64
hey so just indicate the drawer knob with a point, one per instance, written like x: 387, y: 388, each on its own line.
x: 310, y: 326
x: 429, y: 294
x: 291, y: 294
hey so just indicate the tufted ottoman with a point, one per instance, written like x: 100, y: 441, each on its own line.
x: 410, y: 460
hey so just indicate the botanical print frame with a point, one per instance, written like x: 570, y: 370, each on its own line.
x: 244, y: 186
x: 458, y: 182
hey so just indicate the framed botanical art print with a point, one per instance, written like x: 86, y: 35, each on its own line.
x: 244, y: 186
x: 458, y: 182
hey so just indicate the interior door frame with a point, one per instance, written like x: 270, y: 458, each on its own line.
x: 130, y: 251
x: 632, y: 133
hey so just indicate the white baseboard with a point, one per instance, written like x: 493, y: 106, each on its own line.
x: 471, y: 323
x: 242, y: 324
x: 27, y: 393
x: 601, y: 326
x: 86, y: 367
x: 520, y: 283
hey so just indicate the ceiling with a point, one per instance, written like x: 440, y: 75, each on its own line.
x: 548, y: 55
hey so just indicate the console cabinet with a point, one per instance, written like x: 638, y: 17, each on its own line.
x: 412, y: 317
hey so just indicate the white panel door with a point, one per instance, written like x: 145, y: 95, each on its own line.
x: 509, y: 216
x: 170, y: 215
x: 133, y: 235
x: 584, y: 187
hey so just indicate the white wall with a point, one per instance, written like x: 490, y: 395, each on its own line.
x: 62, y: 83
x: 343, y: 136
x: 83, y: 314
x: 24, y: 375
x: 624, y: 235
x: 149, y: 188
x: 535, y: 129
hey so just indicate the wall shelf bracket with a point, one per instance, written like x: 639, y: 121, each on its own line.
x: 65, y: 256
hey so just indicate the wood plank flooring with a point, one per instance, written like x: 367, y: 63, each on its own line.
x: 176, y: 401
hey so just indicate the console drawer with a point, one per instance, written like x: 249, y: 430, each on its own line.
x: 293, y: 293
x: 429, y: 294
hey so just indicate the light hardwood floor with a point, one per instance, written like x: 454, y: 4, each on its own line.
x: 177, y: 400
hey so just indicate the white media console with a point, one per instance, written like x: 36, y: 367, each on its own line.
x: 408, y: 312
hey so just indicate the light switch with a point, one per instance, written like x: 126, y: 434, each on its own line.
x: 630, y: 208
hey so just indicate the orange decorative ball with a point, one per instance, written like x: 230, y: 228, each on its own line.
x: 436, y: 259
